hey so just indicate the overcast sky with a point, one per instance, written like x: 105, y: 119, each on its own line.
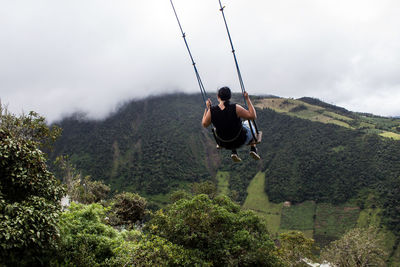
x: 60, y: 56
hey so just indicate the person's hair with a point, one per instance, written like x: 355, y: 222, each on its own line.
x: 224, y: 93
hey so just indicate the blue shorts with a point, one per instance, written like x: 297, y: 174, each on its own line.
x: 249, y: 135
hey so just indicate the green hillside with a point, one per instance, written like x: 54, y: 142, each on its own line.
x: 315, y: 155
x: 318, y: 111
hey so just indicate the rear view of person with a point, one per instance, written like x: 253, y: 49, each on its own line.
x: 231, y: 132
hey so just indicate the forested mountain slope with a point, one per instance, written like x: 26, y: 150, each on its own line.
x: 310, y: 150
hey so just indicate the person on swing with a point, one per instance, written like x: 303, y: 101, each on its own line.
x: 231, y: 133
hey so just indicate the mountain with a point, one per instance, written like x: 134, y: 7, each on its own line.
x: 311, y: 151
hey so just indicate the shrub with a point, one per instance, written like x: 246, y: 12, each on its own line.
x: 86, y: 240
x: 29, y: 194
x: 218, y: 230
x: 154, y: 251
x: 128, y: 208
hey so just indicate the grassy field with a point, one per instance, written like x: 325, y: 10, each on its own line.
x: 223, y: 183
x: 307, y: 111
x: 331, y: 222
x: 386, y: 127
x: 299, y: 217
x: 369, y: 217
x: 257, y: 200
x: 394, y: 136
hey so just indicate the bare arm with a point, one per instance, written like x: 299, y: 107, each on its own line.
x: 206, y: 121
x: 244, y: 113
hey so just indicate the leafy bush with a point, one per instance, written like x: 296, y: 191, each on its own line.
x: 86, y: 240
x: 80, y: 189
x: 127, y: 209
x: 29, y: 194
x: 218, y: 230
x: 294, y: 247
x: 358, y: 247
x: 154, y: 251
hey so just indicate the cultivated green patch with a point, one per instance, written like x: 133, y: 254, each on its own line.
x: 223, y: 183
x: 339, y: 149
x: 304, y: 110
x: 257, y: 200
x: 394, y: 136
x: 298, y: 217
x: 386, y: 127
x: 331, y: 221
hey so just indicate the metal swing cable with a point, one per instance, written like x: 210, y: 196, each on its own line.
x: 202, y: 90
x: 237, y: 69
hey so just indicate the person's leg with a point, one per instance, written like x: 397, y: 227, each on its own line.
x: 254, y: 153
x: 235, y: 156
x: 249, y: 139
x: 249, y: 136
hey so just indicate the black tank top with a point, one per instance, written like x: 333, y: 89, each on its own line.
x: 230, y: 132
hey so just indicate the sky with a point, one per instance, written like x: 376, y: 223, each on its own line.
x: 58, y: 57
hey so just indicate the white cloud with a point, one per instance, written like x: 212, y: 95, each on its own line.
x: 60, y: 56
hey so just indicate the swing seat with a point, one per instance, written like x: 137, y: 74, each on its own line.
x: 253, y: 142
x: 257, y: 140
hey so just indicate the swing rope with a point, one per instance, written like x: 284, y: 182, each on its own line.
x: 202, y: 89
x: 199, y: 81
x: 238, y: 70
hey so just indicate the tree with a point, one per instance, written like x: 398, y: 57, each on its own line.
x: 217, y: 230
x: 86, y: 240
x: 358, y: 247
x: 29, y: 194
x: 209, y: 188
x: 80, y: 189
x: 128, y: 209
x: 294, y: 247
x: 153, y: 250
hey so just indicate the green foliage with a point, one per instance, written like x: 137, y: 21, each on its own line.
x: 208, y: 188
x: 29, y: 194
x: 179, y: 194
x: 294, y: 247
x: 80, y: 189
x: 154, y: 251
x: 31, y: 127
x: 128, y: 208
x: 98, y: 190
x: 358, y: 247
x: 218, y: 230
x: 85, y: 238
x: 390, y: 197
